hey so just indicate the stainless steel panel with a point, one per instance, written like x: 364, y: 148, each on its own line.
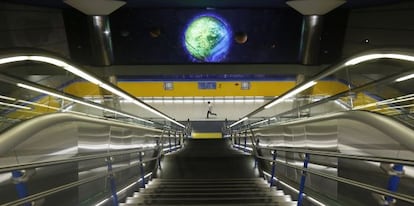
x: 62, y: 136
x: 354, y: 133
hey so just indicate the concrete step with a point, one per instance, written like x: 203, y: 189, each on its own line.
x: 209, y: 200
x: 292, y: 203
x: 203, y: 190
x: 209, y: 194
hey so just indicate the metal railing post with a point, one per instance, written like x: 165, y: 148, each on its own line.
x: 169, y: 143
x: 141, y: 167
x: 273, y: 167
x: 112, y: 181
x: 303, y: 179
x: 394, y: 181
x: 245, y: 142
x: 21, y: 187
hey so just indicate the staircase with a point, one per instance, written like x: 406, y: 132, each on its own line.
x: 208, y: 172
x: 204, y: 192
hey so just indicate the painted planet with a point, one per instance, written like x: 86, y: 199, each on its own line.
x: 207, y: 39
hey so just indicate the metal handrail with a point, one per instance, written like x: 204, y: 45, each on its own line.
x: 346, y: 156
x: 64, y: 161
x: 332, y: 69
x: 74, y: 184
x: 339, y: 95
x: 80, y: 182
x: 368, y: 187
x: 22, y: 132
x: 400, y: 196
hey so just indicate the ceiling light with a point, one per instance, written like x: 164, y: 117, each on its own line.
x: 79, y: 101
x: 7, y: 98
x: 238, y: 122
x: 37, y: 104
x: 83, y: 75
x: 291, y: 94
x: 260, y: 122
x: 66, y: 67
x: 13, y: 59
x: 369, y: 57
x: 15, y: 106
x: 404, y: 78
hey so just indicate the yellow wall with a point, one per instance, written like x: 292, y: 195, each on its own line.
x: 190, y: 89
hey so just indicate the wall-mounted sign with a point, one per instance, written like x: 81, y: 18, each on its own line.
x: 207, y: 85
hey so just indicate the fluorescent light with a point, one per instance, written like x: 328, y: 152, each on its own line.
x: 396, y: 107
x: 15, y: 106
x: 364, y: 58
x: 238, y: 122
x: 49, y: 60
x: 7, y: 98
x: 291, y: 94
x: 79, y: 101
x: 115, y: 91
x: 392, y: 101
x: 387, y: 101
x: 341, y: 104
x: 37, y: 104
x: 42, y: 91
x: 405, y: 78
x: 55, y: 62
x: 66, y: 67
x: 13, y: 59
x: 369, y: 57
x: 263, y: 121
x: 83, y: 75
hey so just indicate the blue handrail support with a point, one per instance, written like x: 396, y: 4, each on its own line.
x: 394, y: 181
x: 303, y: 179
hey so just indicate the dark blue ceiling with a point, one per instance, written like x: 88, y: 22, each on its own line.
x: 209, y: 3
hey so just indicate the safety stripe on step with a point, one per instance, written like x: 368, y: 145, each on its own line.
x: 206, y: 135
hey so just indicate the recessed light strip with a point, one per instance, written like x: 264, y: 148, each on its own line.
x: 37, y: 104
x: 238, y: 122
x: 369, y: 57
x: 7, y: 98
x: 15, y: 106
x: 290, y: 94
x: 404, y: 78
x: 79, y: 101
x: 87, y: 77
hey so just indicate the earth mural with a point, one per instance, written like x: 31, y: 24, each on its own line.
x: 207, y: 39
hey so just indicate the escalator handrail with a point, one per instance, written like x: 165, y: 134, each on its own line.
x: 371, y: 188
x: 79, y: 182
x: 407, y: 162
x: 392, y: 128
x: 29, y: 165
x: 365, y: 186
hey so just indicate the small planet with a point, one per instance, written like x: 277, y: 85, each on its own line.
x: 155, y: 32
x: 240, y: 37
x: 207, y: 39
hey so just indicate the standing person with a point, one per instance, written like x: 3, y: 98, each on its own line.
x: 210, y: 110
